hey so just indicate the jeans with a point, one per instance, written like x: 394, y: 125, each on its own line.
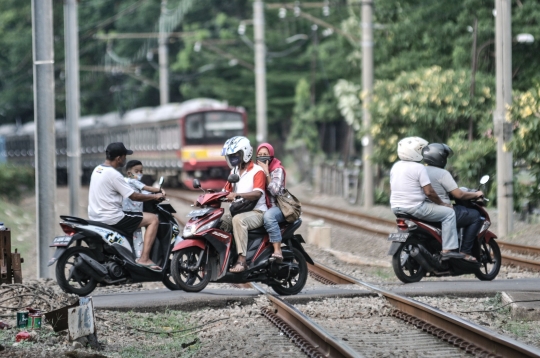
x: 272, y: 218
x: 436, y: 213
x: 471, y: 222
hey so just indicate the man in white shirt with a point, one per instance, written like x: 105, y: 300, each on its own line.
x: 252, y: 186
x: 410, y: 185
x: 106, y: 194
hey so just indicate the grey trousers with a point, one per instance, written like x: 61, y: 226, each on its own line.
x: 241, y: 223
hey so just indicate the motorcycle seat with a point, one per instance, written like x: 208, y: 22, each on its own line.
x: 105, y: 226
x: 432, y: 223
x: 282, y: 226
x: 258, y: 231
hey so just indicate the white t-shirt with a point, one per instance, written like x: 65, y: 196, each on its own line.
x: 107, y: 191
x: 406, y: 182
x: 442, y: 182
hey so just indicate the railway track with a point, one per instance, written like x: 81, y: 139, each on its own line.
x: 316, y: 340
x: 383, y: 227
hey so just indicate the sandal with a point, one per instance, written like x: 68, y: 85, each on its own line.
x: 152, y: 266
x: 238, y: 267
x: 470, y: 258
x: 277, y: 258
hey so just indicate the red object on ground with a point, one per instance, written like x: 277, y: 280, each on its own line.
x: 4, y: 325
x: 22, y: 336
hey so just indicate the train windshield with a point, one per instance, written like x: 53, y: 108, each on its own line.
x: 212, y: 127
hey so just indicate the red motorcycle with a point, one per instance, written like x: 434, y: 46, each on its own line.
x: 206, y: 252
x: 417, y: 245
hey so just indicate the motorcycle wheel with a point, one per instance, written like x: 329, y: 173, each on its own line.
x: 489, y: 251
x: 169, y: 282
x: 293, y: 285
x: 405, y: 267
x: 69, y: 278
x: 188, y: 280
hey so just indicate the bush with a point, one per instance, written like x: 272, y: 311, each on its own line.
x: 15, y: 181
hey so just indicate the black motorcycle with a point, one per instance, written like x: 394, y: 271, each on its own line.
x: 108, y: 256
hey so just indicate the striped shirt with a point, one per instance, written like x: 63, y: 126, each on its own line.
x: 276, y: 185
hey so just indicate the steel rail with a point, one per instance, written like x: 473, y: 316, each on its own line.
x: 522, y: 249
x: 522, y: 262
x: 312, y: 338
x: 449, y: 327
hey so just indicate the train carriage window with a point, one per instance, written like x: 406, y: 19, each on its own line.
x: 213, y: 127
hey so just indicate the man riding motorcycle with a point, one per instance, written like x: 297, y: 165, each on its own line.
x: 252, y: 186
x: 410, y: 185
x: 435, y: 156
x: 105, y: 197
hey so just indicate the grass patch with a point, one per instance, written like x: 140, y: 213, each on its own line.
x: 166, y: 344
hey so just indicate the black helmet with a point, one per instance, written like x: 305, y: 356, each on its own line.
x: 436, y: 154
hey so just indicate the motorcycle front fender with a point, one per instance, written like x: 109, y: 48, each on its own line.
x: 59, y: 251
x: 188, y: 243
x: 489, y: 235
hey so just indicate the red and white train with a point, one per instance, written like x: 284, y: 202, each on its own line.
x: 180, y: 141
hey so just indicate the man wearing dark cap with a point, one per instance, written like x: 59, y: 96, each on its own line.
x: 107, y: 192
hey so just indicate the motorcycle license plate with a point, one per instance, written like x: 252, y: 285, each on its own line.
x: 398, y: 236
x: 61, y: 241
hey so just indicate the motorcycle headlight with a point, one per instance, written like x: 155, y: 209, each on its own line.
x: 207, y: 226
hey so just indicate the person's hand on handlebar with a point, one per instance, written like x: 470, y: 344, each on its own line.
x: 479, y: 194
x: 159, y: 197
x: 231, y: 196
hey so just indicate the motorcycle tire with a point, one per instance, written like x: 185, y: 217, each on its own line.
x: 185, y: 278
x: 86, y: 282
x: 483, y: 273
x: 402, y: 262
x: 301, y: 278
x: 169, y: 282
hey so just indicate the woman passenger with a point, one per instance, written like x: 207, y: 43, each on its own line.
x: 275, y: 182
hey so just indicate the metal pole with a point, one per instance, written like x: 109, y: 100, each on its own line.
x: 473, y: 74
x: 260, y: 70
x: 163, y: 59
x: 43, y: 59
x: 367, y: 90
x: 503, y: 129
x: 72, y: 104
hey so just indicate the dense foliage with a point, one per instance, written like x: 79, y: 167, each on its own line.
x: 15, y: 182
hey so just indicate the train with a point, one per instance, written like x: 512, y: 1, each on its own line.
x: 179, y: 141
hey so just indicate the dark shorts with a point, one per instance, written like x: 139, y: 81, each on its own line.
x: 130, y: 222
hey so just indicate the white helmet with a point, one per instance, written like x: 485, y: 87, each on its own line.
x: 410, y: 148
x: 237, y: 145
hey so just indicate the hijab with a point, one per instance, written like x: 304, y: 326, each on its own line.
x: 273, y: 165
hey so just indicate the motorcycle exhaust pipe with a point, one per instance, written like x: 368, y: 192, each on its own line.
x: 91, y: 267
x: 417, y: 255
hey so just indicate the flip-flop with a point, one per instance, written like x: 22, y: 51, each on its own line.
x: 242, y: 265
x: 151, y: 267
x: 277, y: 258
x: 470, y: 258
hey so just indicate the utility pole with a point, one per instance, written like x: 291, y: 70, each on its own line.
x: 260, y: 70
x: 503, y: 128
x: 71, y: 29
x: 367, y: 91
x: 163, y: 58
x: 44, y: 149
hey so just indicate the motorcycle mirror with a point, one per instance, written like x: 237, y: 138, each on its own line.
x: 233, y: 178
x: 484, y: 179
x: 196, y: 184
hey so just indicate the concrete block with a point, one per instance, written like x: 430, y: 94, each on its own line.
x: 520, y: 308
x: 319, y: 236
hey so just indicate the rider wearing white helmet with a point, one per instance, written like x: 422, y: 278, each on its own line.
x: 410, y: 185
x: 252, y: 185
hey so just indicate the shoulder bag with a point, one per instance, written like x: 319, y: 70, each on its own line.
x: 290, y: 206
x: 241, y: 205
